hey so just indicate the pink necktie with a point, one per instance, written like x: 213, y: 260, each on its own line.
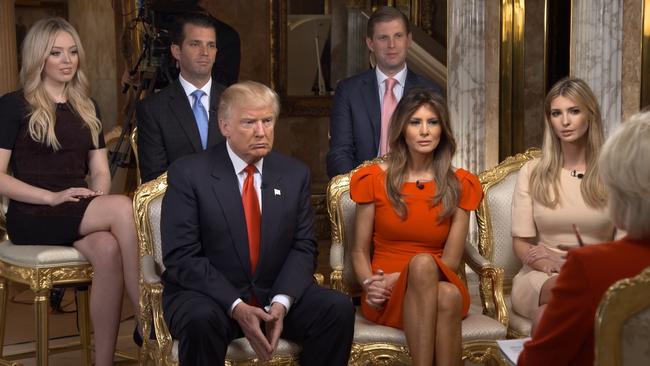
x: 387, y: 109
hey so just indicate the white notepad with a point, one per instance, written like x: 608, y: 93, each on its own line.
x: 511, y: 348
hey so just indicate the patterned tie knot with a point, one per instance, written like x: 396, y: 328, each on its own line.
x: 198, y: 94
x: 250, y: 170
x: 390, y: 83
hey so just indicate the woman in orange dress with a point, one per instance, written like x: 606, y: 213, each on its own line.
x: 413, y: 214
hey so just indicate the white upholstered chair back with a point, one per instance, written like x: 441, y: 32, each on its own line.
x: 494, y: 218
x: 622, y: 324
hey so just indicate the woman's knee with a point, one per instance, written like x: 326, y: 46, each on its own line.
x: 105, y: 251
x: 449, y: 298
x: 422, y: 269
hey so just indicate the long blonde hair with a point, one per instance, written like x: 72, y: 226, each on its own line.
x: 447, y: 185
x: 544, y: 176
x: 42, y: 117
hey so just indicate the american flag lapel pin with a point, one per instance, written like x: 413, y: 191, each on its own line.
x: 277, y: 192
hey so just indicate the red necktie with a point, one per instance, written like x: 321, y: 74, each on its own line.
x: 387, y: 108
x: 252, y: 213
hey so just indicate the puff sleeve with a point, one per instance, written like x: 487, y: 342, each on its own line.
x: 362, y: 185
x: 523, y: 222
x: 471, y: 191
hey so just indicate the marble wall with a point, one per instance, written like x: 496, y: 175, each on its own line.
x: 466, y: 88
x: 631, y: 73
x: 597, y: 53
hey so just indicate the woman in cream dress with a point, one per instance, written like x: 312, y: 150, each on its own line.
x: 557, y: 190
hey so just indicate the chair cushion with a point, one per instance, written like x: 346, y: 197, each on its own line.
x: 241, y: 350
x: 366, y: 331
x: 153, y: 215
x: 517, y: 322
x: 499, y: 198
x: 40, y: 256
x: 475, y: 326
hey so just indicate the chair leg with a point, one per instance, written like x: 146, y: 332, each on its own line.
x: 3, y: 312
x: 41, y: 306
x: 84, y: 324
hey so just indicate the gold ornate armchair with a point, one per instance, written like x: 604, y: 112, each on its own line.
x: 380, y: 345
x: 42, y: 267
x: 622, y: 325
x: 164, y: 350
x: 495, y: 238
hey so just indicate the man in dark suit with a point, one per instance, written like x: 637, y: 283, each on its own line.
x: 359, y: 118
x: 173, y: 122
x: 230, y: 268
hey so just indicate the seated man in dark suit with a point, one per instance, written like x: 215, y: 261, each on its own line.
x: 364, y: 103
x: 239, y: 248
x: 182, y: 118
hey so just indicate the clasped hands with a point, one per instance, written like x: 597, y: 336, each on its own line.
x: 250, y: 319
x: 378, y: 288
x: 543, y: 259
x: 73, y: 194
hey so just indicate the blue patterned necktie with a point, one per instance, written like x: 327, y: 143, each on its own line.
x: 201, y: 116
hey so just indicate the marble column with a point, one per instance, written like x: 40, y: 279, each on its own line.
x: 467, y: 86
x: 8, y: 51
x: 466, y: 81
x: 597, y: 53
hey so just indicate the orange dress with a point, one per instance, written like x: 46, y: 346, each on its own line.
x: 396, y: 241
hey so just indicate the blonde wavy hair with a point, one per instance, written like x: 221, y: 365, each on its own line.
x: 544, y: 176
x: 446, y: 183
x: 42, y: 116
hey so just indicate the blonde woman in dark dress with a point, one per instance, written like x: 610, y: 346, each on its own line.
x: 51, y: 140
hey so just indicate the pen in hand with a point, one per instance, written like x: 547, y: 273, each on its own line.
x: 575, y: 230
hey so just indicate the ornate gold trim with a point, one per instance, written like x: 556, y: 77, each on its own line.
x: 511, y: 91
x: 482, y: 352
x: 44, y: 278
x: 621, y: 301
x: 645, y: 56
x: 379, y: 354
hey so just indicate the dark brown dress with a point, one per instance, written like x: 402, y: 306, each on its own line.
x: 39, y: 165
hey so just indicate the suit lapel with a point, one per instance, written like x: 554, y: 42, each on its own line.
x: 370, y: 92
x: 226, y: 189
x: 272, y: 201
x: 411, y: 80
x: 181, y: 109
x: 214, y: 135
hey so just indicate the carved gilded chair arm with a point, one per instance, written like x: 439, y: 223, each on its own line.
x: 149, y: 273
x: 336, y: 264
x: 163, y: 337
x: 490, y: 284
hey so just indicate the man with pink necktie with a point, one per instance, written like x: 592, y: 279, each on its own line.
x: 364, y: 103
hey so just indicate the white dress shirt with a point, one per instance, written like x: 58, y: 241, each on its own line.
x: 190, y: 88
x: 240, y: 166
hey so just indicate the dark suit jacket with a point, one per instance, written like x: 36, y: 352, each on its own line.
x: 565, y: 334
x: 204, y: 237
x: 355, y: 122
x: 167, y: 128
